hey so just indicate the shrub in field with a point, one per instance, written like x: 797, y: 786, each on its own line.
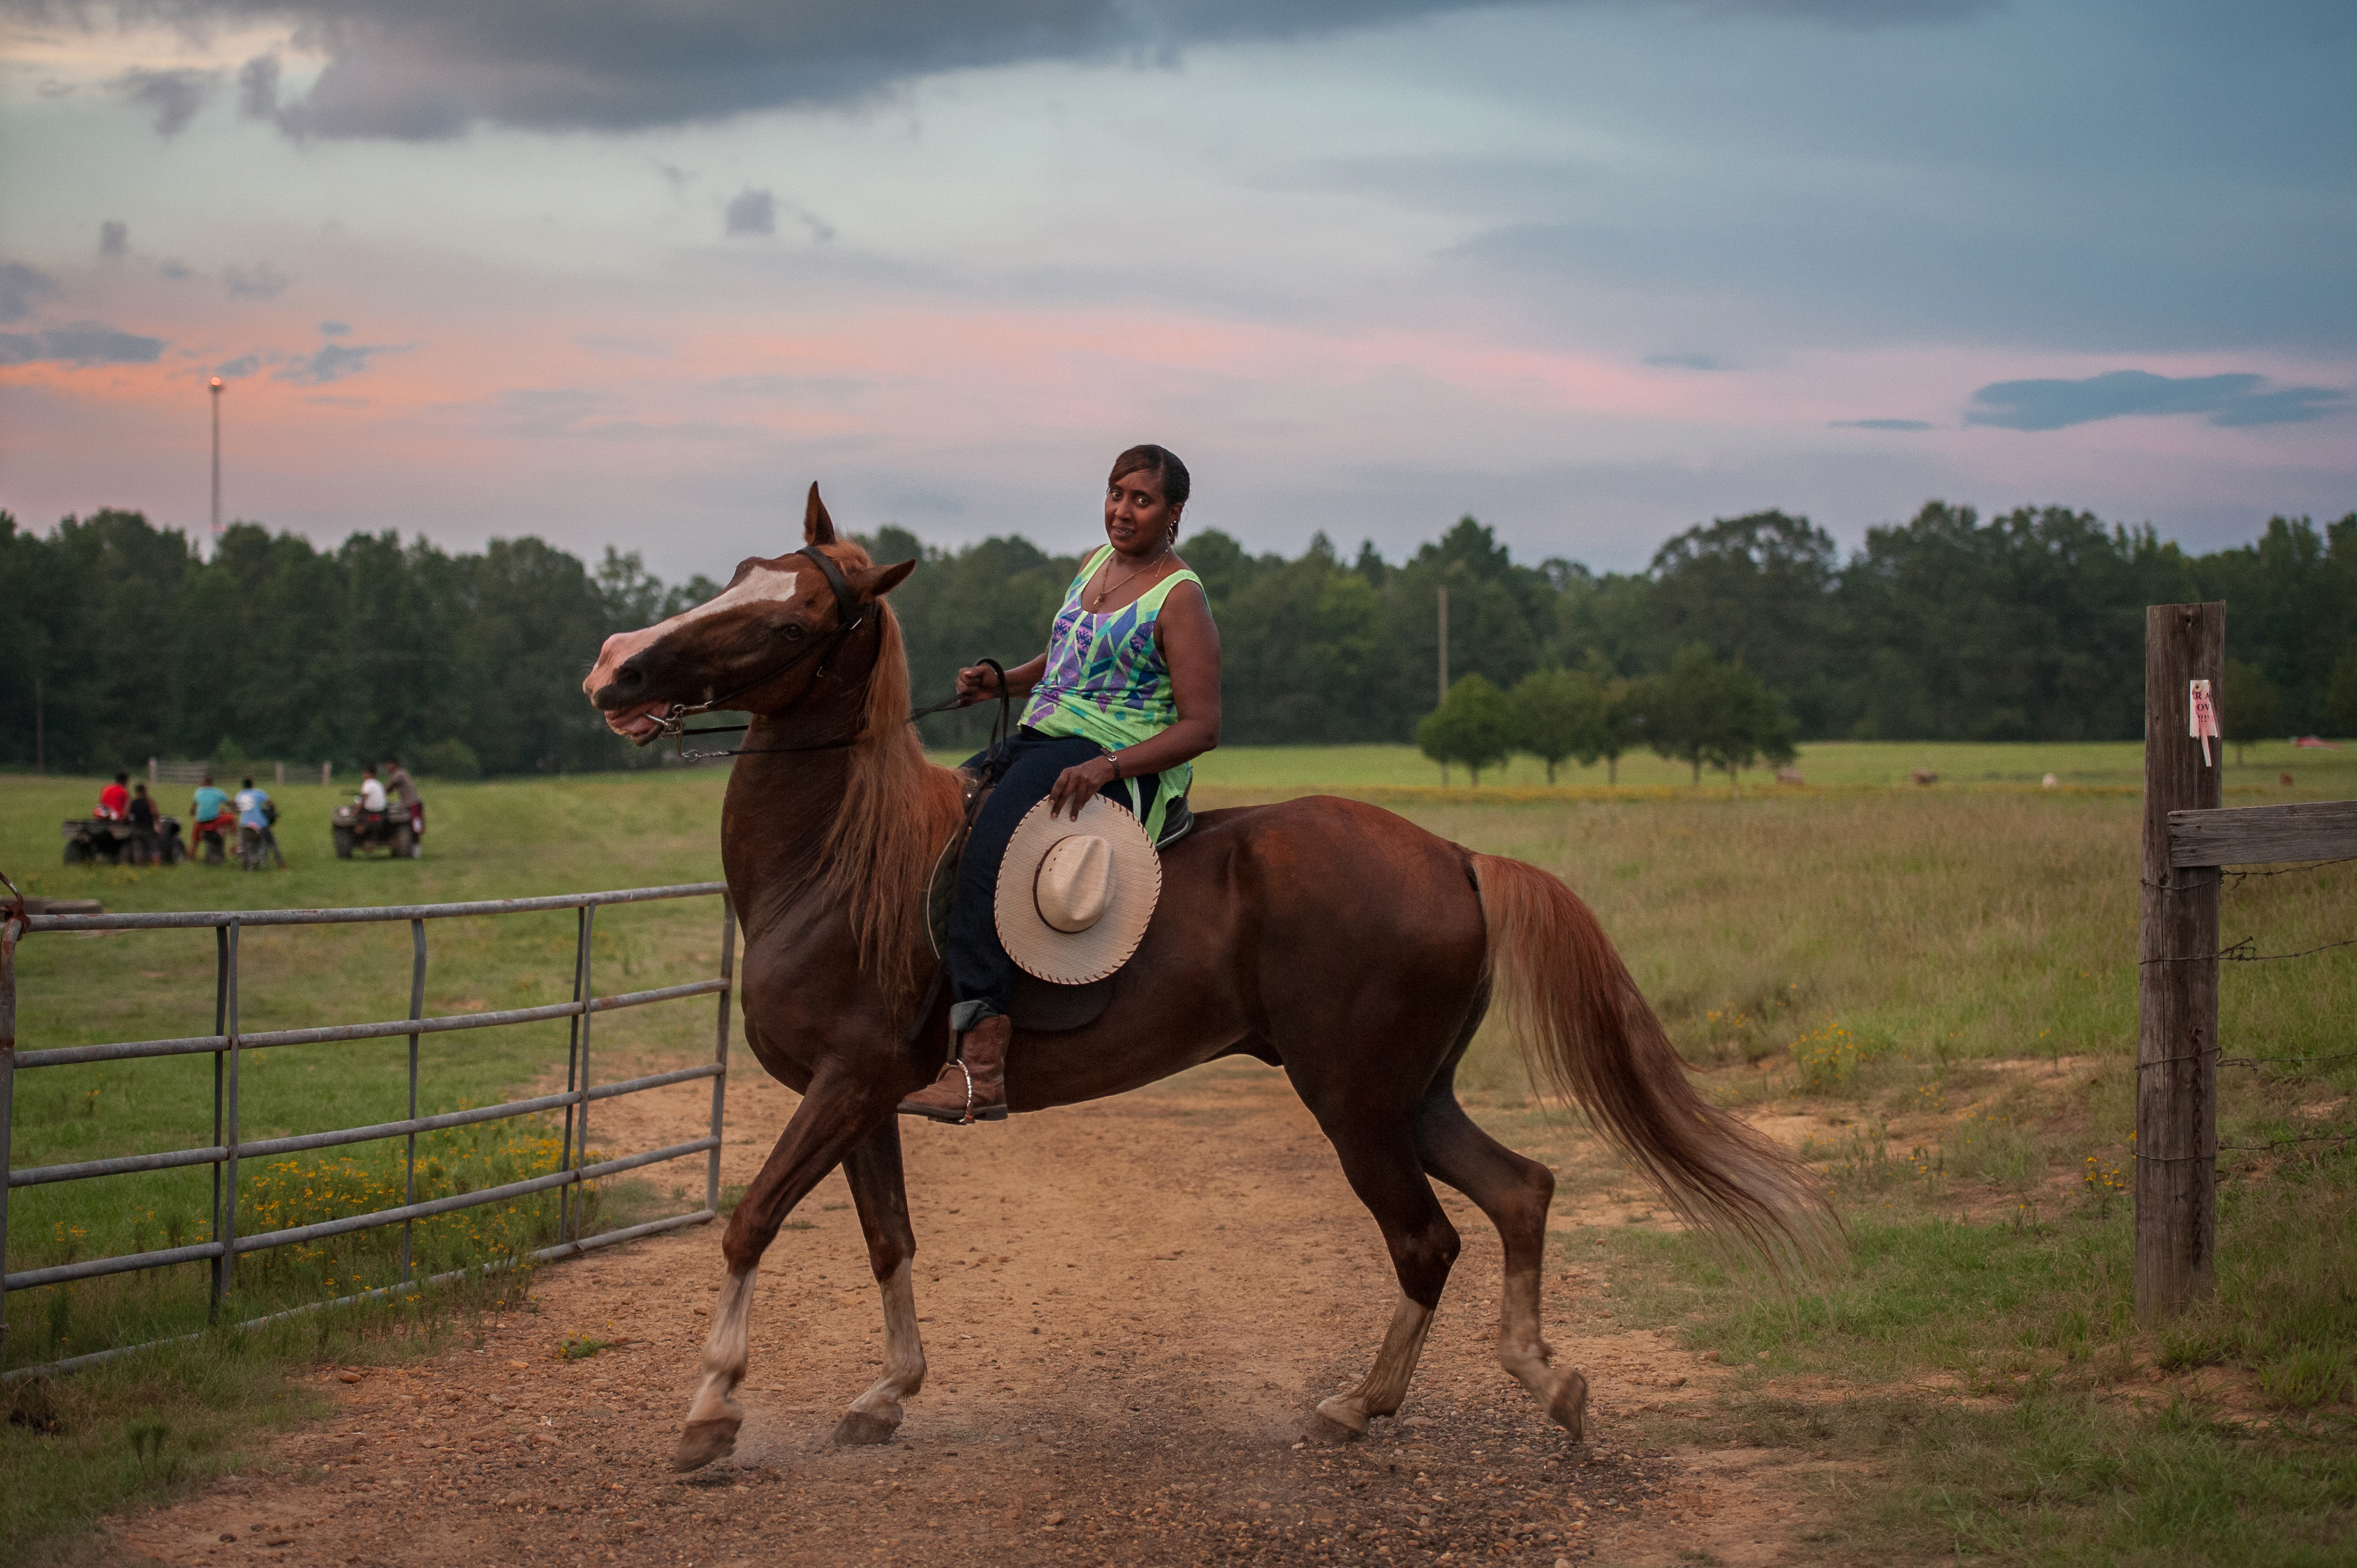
x: 452, y: 759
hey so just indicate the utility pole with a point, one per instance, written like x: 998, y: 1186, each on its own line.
x: 217, y: 522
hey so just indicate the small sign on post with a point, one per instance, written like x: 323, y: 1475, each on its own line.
x: 2201, y: 718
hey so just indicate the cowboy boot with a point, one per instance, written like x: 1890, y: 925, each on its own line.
x: 973, y: 1084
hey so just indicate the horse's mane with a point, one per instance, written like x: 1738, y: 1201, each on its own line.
x: 897, y: 810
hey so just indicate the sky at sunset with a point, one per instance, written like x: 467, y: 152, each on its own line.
x: 634, y: 272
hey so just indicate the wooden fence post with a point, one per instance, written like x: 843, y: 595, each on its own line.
x: 2176, y: 989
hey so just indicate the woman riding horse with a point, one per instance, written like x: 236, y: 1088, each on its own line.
x: 1328, y: 937
x: 1126, y: 698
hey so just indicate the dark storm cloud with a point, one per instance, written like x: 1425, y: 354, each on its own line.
x: 20, y: 286
x: 2231, y: 401
x: 172, y: 97
x: 421, y: 70
x: 85, y: 343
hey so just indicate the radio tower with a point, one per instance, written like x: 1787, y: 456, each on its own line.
x: 217, y: 522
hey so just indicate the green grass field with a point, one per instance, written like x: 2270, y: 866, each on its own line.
x: 1380, y: 770
x: 1939, y: 982
x: 485, y: 842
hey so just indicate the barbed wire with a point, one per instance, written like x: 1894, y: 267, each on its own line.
x: 2239, y: 953
x: 2223, y: 874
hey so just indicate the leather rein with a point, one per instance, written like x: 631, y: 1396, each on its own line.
x: 672, y: 725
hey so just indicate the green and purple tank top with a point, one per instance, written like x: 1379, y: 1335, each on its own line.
x: 1106, y: 681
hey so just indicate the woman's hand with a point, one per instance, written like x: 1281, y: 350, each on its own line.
x: 976, y: 683
x: 1075, y: 785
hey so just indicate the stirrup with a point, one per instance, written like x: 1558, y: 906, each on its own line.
x: 998, y: 1112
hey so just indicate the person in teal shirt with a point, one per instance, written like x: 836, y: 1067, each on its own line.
x: 210, y: 812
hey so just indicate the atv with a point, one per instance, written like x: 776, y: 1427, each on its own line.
x: 357, y: 828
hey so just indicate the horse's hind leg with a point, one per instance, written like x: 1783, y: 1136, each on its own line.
x: 824, y: 1126
x: 1514, y: 1192
x: 873, y: 1168
x: 1383, y: 1171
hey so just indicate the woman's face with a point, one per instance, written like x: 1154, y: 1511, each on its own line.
x: 1138, y: 520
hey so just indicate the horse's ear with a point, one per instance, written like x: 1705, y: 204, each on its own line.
x: 875, y: 582
x: 817, y: 527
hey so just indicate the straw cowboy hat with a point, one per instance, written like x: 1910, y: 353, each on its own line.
x: 1074, y: 895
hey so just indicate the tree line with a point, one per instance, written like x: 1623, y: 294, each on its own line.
x: 118, y: 640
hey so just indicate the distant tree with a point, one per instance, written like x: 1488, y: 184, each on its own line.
x: 1626, y: 702
x: 1559, y: 713
x: 2247, y: 706
x: 1706, y: 713
x: 1475, y: 727
x: 2340, y: 696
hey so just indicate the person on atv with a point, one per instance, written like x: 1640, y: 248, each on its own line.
x: 255, y: 814
x: 210, y: 814
x: 114, y: 800
x: 403, y: 789
x: 147, y: 849
x: 371, y: 793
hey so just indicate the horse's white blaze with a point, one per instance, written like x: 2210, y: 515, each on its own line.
x: 1384, y: 1388
x: 761, y: 586
x: 904, y: 1349
x: 727, y: 1350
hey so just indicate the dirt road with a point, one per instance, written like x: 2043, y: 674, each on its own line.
x: 1129, y: 1308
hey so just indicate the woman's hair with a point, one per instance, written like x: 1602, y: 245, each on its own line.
x: 1160, y: 461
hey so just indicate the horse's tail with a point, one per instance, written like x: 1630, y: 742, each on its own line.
x: 1587, y: 1032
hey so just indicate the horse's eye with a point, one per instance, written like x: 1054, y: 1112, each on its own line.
x: 794, y: 633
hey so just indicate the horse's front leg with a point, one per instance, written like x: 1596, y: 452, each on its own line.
x: 872, y: 1169
x: 832, y: 1117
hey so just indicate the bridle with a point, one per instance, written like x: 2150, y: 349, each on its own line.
x: 850, y: 615
x: 672, y: 724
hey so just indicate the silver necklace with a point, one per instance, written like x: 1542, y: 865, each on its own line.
x: 1105, y: 591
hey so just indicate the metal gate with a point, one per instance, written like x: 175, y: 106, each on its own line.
x: 228, y: 1044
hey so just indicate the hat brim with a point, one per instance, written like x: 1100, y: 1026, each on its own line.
x: 1076, y: 957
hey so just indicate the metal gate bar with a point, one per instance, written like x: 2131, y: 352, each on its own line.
x: 229, y: 1042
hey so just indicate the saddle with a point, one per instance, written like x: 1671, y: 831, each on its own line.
x: 1039, y: 1006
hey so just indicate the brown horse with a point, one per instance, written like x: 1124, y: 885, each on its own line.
x: 1333, y: 939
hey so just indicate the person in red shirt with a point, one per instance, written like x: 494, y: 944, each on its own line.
x: 114, y: 800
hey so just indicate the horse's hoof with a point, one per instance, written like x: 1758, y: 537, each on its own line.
x: 1568, y: 1409
x: 1346, y: 1415
x: 858, y: 1429
x: 1337, y: 1421
x: 704, y: 1441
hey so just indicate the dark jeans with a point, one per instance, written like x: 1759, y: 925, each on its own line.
x: 980, y: 971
